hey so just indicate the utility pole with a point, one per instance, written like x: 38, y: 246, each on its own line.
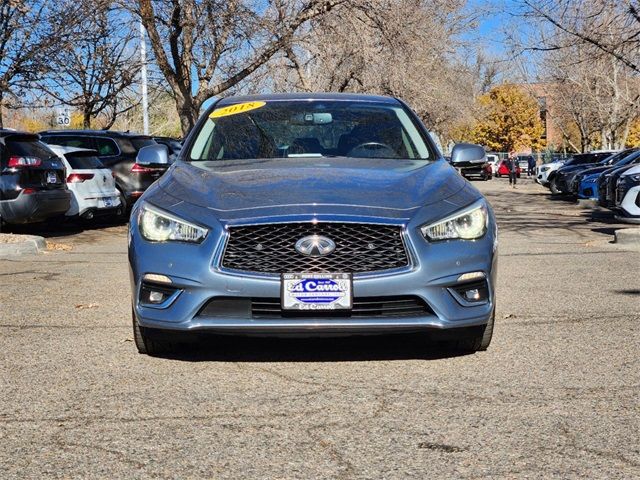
x: 143, y: 79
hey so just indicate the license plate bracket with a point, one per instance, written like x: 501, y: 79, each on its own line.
x: 310, y: 292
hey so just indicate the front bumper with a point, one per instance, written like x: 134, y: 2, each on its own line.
x: 541, y: 176
x: 588, y: 189
x: 197, y: 279
x: 630, y: 205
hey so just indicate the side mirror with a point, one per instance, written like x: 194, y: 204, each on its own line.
x: 467, y: 153
x: 153, y: 156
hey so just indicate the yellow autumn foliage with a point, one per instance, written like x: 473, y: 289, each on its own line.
x: 633, y: 140
x: 511, y: 121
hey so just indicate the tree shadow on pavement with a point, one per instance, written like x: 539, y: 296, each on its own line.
x: 62, y: 228
x: 222, y: 348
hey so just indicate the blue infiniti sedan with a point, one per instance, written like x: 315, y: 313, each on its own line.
x: 312, y: 214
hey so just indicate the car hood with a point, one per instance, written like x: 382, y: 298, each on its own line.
x: 631, y: 171
x: 371, y: 186
x: 555, y: 165
x: 595, y: 170
x: 576, y: 168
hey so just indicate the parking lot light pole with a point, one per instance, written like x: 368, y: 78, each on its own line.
x: 143, y: 79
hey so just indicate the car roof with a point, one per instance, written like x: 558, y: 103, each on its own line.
x: 7, y: 132
x: 105, y: 133
x: 280, y: 97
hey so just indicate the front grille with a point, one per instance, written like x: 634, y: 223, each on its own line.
x: 265, y: 308
x: 360, y: 247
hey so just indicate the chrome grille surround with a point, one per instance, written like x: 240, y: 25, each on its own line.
x: 270, y: 248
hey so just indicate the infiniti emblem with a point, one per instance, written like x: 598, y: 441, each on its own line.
x: 315, y: 245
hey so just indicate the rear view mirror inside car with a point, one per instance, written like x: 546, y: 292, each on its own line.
x: 312, y: 119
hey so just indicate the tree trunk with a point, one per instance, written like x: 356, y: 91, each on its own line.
x: 86, y: 119
x: 188, y: 113
x: 1, y: 105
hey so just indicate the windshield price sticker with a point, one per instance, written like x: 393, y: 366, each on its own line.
x: 235, y: 109
x: 320, y: 291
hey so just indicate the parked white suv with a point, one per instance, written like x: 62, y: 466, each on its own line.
x: 90, y: 182
x: 627, y: 196
x: 544, y: 171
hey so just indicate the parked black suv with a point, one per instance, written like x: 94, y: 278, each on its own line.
x: 561, y: 181
x: 32, y: 179
x: 117, y: 151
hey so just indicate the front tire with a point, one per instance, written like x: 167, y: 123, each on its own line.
x: 553, y: 186
x: 480, y: 342
x: 145, y: 343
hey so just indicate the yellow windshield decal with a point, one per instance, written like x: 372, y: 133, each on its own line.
x: 235, y: 109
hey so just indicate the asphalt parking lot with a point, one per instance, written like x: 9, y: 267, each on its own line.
x: 556, y: 394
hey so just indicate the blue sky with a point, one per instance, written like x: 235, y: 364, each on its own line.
x: 497, y: 16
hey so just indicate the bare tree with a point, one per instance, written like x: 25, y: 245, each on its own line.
x: 410, y: 49
x: 204, y: 48
x: 612, y: 27
x: 593, y: 83
x: 96, y: 67
x: 30, y: 31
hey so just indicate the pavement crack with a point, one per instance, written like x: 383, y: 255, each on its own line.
x: 347, y: 469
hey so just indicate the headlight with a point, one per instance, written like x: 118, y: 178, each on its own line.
x: 635, y: 178
x: 544, y: 169
x: 158, y: 226
x: 469, y: 224
x: 590, y: 180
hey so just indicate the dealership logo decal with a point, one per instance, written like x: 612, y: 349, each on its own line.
x: 317, y: 290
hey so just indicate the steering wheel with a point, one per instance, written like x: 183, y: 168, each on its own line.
x: 379, y: 149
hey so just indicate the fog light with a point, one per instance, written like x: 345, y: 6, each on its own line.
x: 156, y: 297
x: 472, y: 295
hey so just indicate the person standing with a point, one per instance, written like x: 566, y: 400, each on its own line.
x: 532, y: 166
x: 512, y: 166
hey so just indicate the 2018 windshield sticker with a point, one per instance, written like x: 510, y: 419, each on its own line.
x: 235, y: 109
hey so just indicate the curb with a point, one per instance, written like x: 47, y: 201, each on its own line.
x: 24, y: 245
x: 628, y: 236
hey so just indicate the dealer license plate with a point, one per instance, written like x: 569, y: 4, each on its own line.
x: 52, y: 177
x: 317, y: 291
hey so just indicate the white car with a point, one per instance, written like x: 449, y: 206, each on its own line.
x: 627, y: 195
x: 494, y: 161
x: 91, y: 183
x: 545, y: 171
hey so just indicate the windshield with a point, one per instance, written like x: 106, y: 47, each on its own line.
x: 298, y: 129
x: 615, y: 158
